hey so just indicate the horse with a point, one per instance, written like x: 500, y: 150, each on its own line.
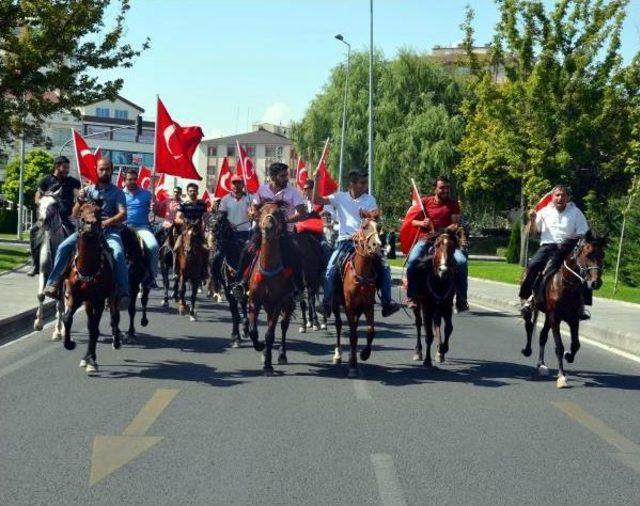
x: 54, y: 234
x: 578, y: 262
x: 312, y: 264
x: 167, y: 239
x: 269, y: 285
x: 91, y: 281
x: 434, y: 301
x: 213, y: 290
x: 358, y: 291
x: 191, y: 259
x: 231, y: 249
x: 138, y: 260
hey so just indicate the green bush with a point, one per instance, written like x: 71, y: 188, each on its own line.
x: 501, y: 252
x: 8, y: 221
x: 513, y: 249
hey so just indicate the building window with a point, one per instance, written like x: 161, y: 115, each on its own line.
x: 212, y: 174
x: 126, y: 135
x: 146, y: 137
x: 96, y: 129
x: 102, y: 112
x: 251, y: 150
x: 120, y: 114
x: 231, y: 150
x: 212, y: 151
x: 269, y: 151
x: 60, y: 135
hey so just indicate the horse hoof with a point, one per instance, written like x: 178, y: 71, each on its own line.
x: 193, y: 318
x: 83, y: 363
x: 258, y: 346
x: 323, y: 326
x: 443, y: 348
x: 302, y: 330
x: 116, y: 344
x: 144, y: 322
x: 38, y: 326
x: 268, y: 371
x: 56, y: 336
x: 316, y: 328
x: 92, y: 367
x: 336, y: 360
x: 365, y: 354
x: 69, y: 345
x: 353, y: 372
x: 440, y: 358
x: 568, y: 357
x: 543, y: 370
x: 309, y: 325
x: 561, y: 382
x: 282, y: 360
x: 417, y: 357
x: 427, y: 363
x: 165, y: 304
x: 526, y: 352
x: 235, y: 343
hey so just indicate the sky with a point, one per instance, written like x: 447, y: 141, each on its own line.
x: 225, y: 64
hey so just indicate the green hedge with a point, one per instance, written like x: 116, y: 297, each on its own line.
x: 8, y: 221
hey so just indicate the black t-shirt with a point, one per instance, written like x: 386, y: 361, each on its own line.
x: 193, y: 211
x: 68, y: 184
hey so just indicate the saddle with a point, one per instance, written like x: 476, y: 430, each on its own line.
x: 540, y: 283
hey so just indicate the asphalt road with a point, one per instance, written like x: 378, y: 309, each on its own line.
x: 180, y: 418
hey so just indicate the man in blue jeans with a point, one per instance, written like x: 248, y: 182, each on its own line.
x: 138, y: 202
x: 442, y: 212
x: 113, y: 214
x: 347, y: 206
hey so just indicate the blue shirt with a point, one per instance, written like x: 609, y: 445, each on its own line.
x: 138, y: 207
x: 112, y: 199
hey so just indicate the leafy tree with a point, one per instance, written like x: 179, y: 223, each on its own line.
x: 37, y: 164
x: 513, y: 248
x: 49, y: 55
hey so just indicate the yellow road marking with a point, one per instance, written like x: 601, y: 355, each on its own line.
x: 110, y: 453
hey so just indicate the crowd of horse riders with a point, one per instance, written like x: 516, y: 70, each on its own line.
x: 262, y: 261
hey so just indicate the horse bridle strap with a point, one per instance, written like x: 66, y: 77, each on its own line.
x: 84, y: 278
x: 362, y: 280
x: 270, y: 274
x: 439, y: 298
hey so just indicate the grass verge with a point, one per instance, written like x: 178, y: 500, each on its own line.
x: 12, y: 256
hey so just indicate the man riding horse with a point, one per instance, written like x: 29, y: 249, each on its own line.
x: 113, y: 213
x: 276, y: 190
x: 443, y: 212
x: 168, y: 209
x: 191, y: 210
x: 139, y: 203
x: 559, y: 220
x: 347, y: 206
x: 68, y: 186
x: 316, y: 210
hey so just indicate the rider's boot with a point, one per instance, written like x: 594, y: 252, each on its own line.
x: 390, y: 308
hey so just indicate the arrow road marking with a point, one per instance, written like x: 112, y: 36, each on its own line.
x: 110, y: 453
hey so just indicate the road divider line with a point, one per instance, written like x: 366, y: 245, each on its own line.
x: 27, y: 360
x: 387, y: 480
x: 150, y: 412
x: 362, y: 390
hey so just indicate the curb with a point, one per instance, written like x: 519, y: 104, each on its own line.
x: 22, y: 323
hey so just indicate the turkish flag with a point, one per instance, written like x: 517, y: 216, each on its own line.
x: 120, y: 180
x: 408, y: 232
x: 144, y: 178
x: 175, y: 146
x: 326, y: 184
x: 85, y: 158
x: 224, y: 180
x: 206, y: 198
x: 161, y: 192
x: 245, y: 169
x: 544, y: 201
x: 301, y: 173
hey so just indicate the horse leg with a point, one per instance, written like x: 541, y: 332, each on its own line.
x: 38, y: 324
x: 543, y: 370
x: 272, y: 320
x: 58, y: 327
x: 235, y: 317
x: 284, y: 326
x: 254, y: 311
x: 182, y: 288
x: 195, y: 287
x: 144, y: 321
x: 448, y: 330
x: 164, y: 269
x: 371, y: 333
x: 67, y: 319
x: 417, y: 356
x: 575, y: 341
x: 89, y: 309
x: 337, y: 353
x: 428, y: 330
x: 114, y: 312
x: 131, y: 333
x: 94, y: 331
x: 353, y: 344
x: 561, y: 382
x: 437, y: 330
x: 313, y: 314
x: 303, y: 310
x: 530, y: 321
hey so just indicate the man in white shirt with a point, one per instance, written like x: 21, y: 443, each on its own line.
x: 347, y: 207
x: 556, y: 222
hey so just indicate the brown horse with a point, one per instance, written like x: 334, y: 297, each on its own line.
x: 91, y: 281
x: 577, y: 263
x: 270, y: 286
x: 434, y: 302
x: 312, y: 264
x: 358, y: 291
x: 191, y: 259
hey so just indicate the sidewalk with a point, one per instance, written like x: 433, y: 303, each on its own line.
x: 612, y: 322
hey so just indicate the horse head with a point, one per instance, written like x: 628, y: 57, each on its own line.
x: 589, y: 258
x: 271, y: 219
x: 49, y: 208
x: 443, y: 249
x: 367, y: 239
x: 222, y: 228
x: 90, y: 225
x: 192, y: 235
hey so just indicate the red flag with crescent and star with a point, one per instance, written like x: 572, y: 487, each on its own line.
x: 175, y: 146
x: 120, y: 180
x: 408, y: 232
x: 244, y: 168
x: 206, y: 198
x: 544, y: 201
x: 85, y: 158
x: 224, y: 180
x: 144, y: 177
x: 301, y: 173
x: 326, y: 184
x: 161, y: 192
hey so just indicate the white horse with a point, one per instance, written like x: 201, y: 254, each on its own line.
x: 49, y: 215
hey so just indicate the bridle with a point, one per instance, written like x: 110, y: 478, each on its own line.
x: 362, y: 240
x: 272, y: 216
x: 583, y: 270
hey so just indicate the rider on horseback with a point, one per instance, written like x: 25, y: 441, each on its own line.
x: 442, y: 212
x: 559, y: 220
x: 138, y: 202
x: 192, y: 210
x: 348, y: 206
x: 277, y: 189
x: 69, y: 187
x: 114, y: 213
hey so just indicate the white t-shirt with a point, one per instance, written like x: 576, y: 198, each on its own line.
x: 348, y: 210
x: 237, y: 211
x: 555, y: 227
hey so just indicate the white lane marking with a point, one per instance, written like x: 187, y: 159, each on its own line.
x: 30, y: 334
x: 28, y: 359
x: 565, y: 333
x: 387, y: 480
x: 362, y: 390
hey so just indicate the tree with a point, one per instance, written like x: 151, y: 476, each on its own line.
x: 37, y: 164
x: 49, y: 55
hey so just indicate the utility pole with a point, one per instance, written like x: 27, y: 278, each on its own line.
x: 21, y: 186
x: 371, y: 166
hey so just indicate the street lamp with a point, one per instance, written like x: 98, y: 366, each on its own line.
x: 344, y: 108
x: 371, y: 98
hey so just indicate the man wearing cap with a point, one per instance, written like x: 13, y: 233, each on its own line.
x: 68, y: 187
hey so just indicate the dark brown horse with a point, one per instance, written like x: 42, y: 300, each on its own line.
x: 138, y: 259
x: 167, y: 239
x: 358, y: 291
x: 578, y: 262
x: 91, y: 281
x: 312, y: 264
x: 434, y: 301
x: 270, y: 285
x: 191, y: 259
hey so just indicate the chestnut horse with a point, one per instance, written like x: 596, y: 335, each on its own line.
x: 270, y: 285
x: 436, y: 289
x: 91, y: 281
x: 358, y: 291
x: 578, y: 262
x: 191, y: 259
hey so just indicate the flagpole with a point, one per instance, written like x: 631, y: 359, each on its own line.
x: 324, y: 153
x: 155, y: 153
x: 244, y: 172
x: 75, y: 151
x: 415, y: 189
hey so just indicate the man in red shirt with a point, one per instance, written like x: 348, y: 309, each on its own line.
x: 442, y: 212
